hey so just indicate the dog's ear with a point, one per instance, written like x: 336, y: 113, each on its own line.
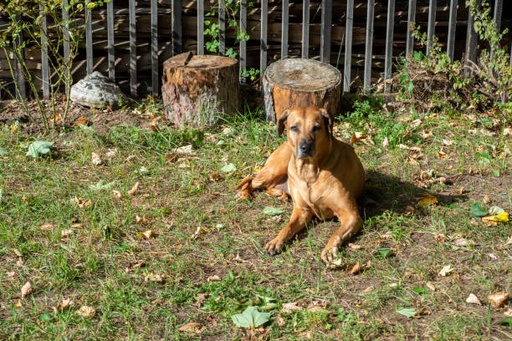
x: 327, y: 119
x: 282, y: 120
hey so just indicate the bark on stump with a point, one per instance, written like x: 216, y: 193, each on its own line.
x: 300, y: 82
x: 198, y: 90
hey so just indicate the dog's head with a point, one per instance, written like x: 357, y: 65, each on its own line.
x: 307, y: 128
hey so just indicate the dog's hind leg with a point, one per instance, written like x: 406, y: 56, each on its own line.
x: 273, y: 175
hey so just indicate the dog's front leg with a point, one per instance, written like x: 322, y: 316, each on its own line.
x: 299, y: 219
x: 351, y: 223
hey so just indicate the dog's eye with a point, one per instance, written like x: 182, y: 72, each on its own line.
x: 295, y: 129
x: 317, y: 127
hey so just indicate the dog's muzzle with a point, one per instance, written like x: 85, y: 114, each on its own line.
x: 305, y: 149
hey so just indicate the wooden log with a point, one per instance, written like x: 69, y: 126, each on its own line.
x: 198, y: 90
x: 300, y: 82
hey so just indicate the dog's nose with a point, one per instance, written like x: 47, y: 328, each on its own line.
x: 306, y: 148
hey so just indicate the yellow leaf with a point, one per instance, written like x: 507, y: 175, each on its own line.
x: 502, y: 217
x: 146, y: 234
x: 428, y: 200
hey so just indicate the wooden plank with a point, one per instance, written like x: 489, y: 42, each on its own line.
x: 347, y: 67
x: 67, y: 48
x: 452, y: 26
x: 305, y: 29
x: 431, y: 24
x: 325, y: 41
x: 243, y: 42
x: 411, y: 25
x: 132, y: 4
x: 263, y: 36
x: 45, y: 65
x: 222, y: 27
x: 88, y: 38
x: 285, y: 19
x: 369, y: 45
x: 498, y: 10
x: 110, y: 41
x: 155, y: 79
x: 388, y: 62
x: 200, y: 27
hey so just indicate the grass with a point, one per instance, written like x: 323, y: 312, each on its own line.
x: 201, y: 258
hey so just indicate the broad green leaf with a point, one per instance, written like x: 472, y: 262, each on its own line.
x: 228, y: 168
x: 384, y: 252
x: 477, y: 210
x: 269, y: 210
x: 409, y: 312
x: 38, y: 148
x: 251, y: 317
x: 101, y: 185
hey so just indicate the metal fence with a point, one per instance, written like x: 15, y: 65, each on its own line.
x: 172, y: 11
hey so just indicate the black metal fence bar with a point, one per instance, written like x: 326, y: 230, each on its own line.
x: 66, y: 43
x: 176, y: 29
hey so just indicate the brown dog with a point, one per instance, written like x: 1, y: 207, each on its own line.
x: 322, y: 175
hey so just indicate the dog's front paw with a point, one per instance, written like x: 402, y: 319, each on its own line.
x: 329, y: 254
x: 274, y: 246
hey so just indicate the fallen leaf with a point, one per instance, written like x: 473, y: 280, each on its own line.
x: 13, y: 275
x: 498, y: 299
x: 269, y: 210
x: 354, y: 246
x: 428, y: 200
x: 151, y: 277
x: 472, y: 299
x: 46, y: 227
x: 502, y: 217
x: 86, y: 311
x: 81, y: 121
x: 66, y: 233
x: 408, y: 312
x: 230, y: 167
x: 66, y: 304
x: 446, y: 270
x: 355, y: 269
x: 250, y: 317
x: 290, y: 307
x: 509, y: 240
x: 146, y: 234
x: 442, y: 155
x: 26, y: 289
x: 111, y: 153
x: 96, y: 159
x: 116, y: 194
x: 191, y: 327
x: 199, y: 230
x: 213, y: 278
x: 82, y: 203
x: 183, y: 150
x: 508, y: 312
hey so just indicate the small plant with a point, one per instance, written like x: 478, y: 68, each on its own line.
x: 24, y: 29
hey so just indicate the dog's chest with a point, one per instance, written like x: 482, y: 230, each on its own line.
x: 313, y: 195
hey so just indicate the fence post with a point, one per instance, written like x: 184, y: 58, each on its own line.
x: 452, y: 26
x: 305, y: 29
x: 370, y: 11
x: 388, y: 59
x: 133, y: 46
x: 432, y: 8
x: 155, y: 81
x: 222, y: 27
x: 110, y: 41
x: 411, y: 26
x: 325, y: 35
x: 471, y: 42
x: 243, y: 42
x: 88, y: 38
x: 263, y: 36
x: 66, y: 47
x: 176, y: 28
x: 200, y: 27
x: 285, y: 17
x: 45, y: 65
x: 348, y: 46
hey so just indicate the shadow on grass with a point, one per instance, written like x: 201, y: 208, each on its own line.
x: 384, y: 192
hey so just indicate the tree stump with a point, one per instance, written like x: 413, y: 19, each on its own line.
x: 198, y: 90
x: 300, y: 82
